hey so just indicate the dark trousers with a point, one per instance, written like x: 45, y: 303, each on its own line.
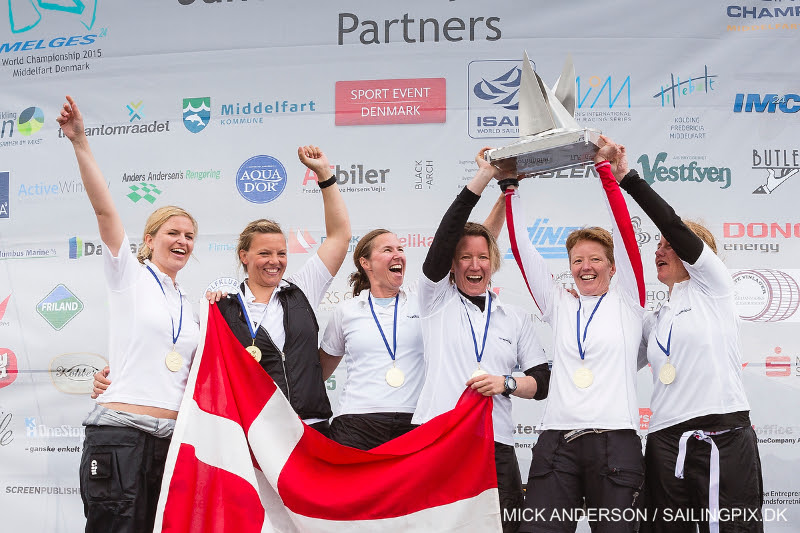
x: 680, y: 505
x: 509, y: 485
x: 368, y: 430
x: 120, y: 478
x: 604, y: 470
x: 323, y: 427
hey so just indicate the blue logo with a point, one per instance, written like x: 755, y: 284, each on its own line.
x: 30, y: 427
x: 75, y: 248
x: 261, y: 179
x: 550, y: 241
x: 677, y: 88
x: 196, y: 113
x: 788, y: 103
x: 4, y: 194
x: 596, y: 86
x: 494, y: 98
x: 26, y: 15
x: 135, y: 111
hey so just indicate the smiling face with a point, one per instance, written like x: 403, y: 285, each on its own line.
x: 385, y: 266
x: 591, y: 268
x: 172, y: 244
x: 472, y: 265
x: 265, y: 260
x: 670, y: 268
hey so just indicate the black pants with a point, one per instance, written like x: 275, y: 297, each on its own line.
x: 680, y: 505
x: 366, y: 431
x: 323, y: 427
x: 606, y: 469
x: 509, y: 485
x: 120, y: 477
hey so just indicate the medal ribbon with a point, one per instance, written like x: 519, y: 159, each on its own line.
x: 253, y: 330
x: 578, y: 332
x: 394, y: 325
x: 669, y: 341
x: 479, y: 356
x: 172, y: 322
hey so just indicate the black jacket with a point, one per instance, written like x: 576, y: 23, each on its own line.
x: 297, y: 371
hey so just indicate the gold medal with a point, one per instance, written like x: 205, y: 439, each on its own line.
x: 395, y: 377
x: 583, y: 377
x: 479, y: 372
x: 255, y: 352
x: 667, y: 373
x: 174, y: 361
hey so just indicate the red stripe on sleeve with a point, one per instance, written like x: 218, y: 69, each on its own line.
x: 512, y: 235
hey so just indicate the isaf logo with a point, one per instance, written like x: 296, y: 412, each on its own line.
x: 196, y: 113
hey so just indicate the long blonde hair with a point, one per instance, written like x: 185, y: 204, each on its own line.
x: 154, y: 222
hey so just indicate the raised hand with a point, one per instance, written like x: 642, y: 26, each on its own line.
x: 316, y: 160
x: 71, y: 120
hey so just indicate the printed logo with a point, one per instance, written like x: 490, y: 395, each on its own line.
x: 423, y: 174
x: 642, y: 237
x: 758, y: 231
x: 550, y: 241
x: 240, y: 113
x: 772, y: 17
x: 24, y: 16
x: 8, y: 367
x: 30, y: 121
x: 227, y: 285
x: 78, y: 248
x: 749, y: 103
x: 3, y: 307
x: 683, y: 172
x: 261, y: 179
x: 677, y: 89
x: 135, y: 111
x: 4, y: 210
x: 59, y: 307
x: 591, y: 103
x: 645, y: 414
x: 494, y: 98
x: 777, y: 166
x: 73, y: 373
x: 766, y: 295
x: 196, y: 113
x: 405, y: 101
x: 300, y: 241
x: 145, y: 191
x: 37, y: 430
x: 778, y: 366
x: 356, y: 179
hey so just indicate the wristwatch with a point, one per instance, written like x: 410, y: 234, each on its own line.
x: 510, y: 384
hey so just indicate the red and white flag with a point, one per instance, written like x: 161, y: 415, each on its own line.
x: 242, y: 461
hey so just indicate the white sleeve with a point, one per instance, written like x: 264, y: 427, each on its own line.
x: 333, y: 338
x: 313, y: 279
x: 534, y: 269
x: 121, y: 271
x: 432, y: 294
x: 529, y: 352
x: 710, y: 274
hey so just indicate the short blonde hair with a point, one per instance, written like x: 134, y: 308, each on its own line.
x: 154, y: 222
x: 473, y: 229
x: 593, y: 233
x: 262, y: 225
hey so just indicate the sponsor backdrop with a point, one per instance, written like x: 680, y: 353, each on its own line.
x: 203, y: 103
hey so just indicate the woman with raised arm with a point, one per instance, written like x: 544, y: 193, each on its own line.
x: 379, y: 335
x: 473, y: 339
x: 274, y: 317
x: 589, y: 448
x: 152, y: 339
x: 701, y: 458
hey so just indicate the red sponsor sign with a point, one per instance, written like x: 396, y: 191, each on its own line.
x: 644, y: 418
x: 778, y: 366
x: 8, y: 367
x: 409, y: 101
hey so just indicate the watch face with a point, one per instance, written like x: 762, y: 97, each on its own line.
x: 512, y: 383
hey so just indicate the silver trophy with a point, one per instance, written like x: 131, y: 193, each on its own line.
x: 549, y: 136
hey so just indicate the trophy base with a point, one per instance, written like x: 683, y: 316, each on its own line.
x: 545, y: 153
